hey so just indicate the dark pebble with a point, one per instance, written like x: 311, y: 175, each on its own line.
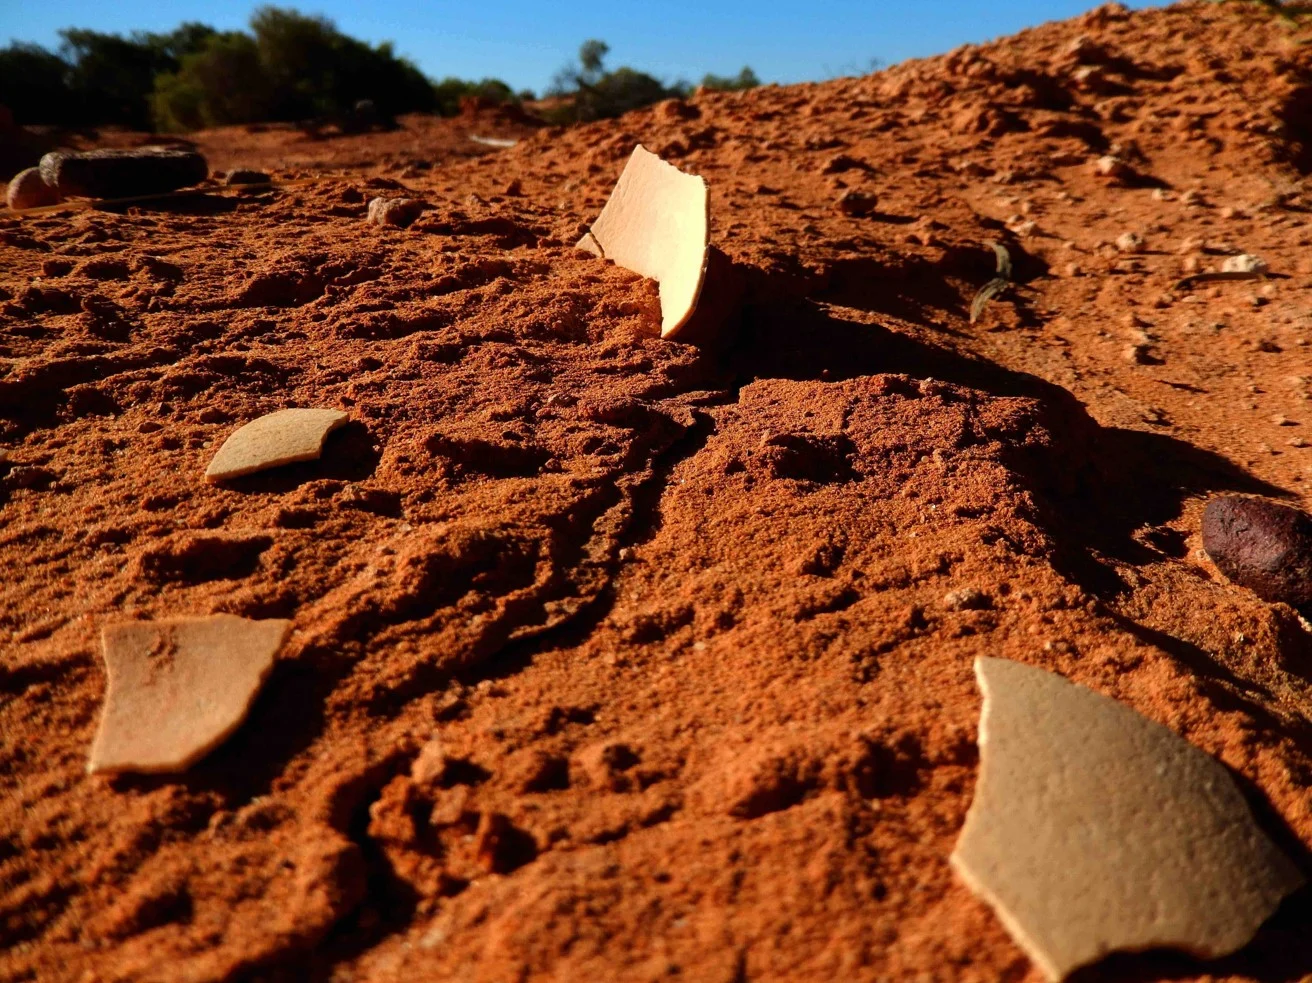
x: 1262, y: 546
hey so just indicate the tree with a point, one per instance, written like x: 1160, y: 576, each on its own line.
x: 594, y: 93
x: 222, y: 83
x: 314, y: 70
x: 745, y: 79
x: 34, y: 85
x: 591, y: 55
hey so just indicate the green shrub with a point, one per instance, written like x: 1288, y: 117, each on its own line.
x: 222, y: 83
x: 34, y: 85
x: 314, y: 70
x: 745, y: 79
x: 593, y: 93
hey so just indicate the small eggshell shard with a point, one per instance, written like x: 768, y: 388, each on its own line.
x: 657, y: 224
x: 284, y: 437
x: 1094, y: 829
x: 178, y: 688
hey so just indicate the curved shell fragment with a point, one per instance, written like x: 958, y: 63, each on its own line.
x: 178, y: 688
x: 284, y: 437
x: 657, y: 224
x: 1094, y: 829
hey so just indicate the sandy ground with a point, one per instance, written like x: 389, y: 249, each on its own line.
x: 619, y: 658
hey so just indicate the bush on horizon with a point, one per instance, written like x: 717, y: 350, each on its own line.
x: 589, y: 92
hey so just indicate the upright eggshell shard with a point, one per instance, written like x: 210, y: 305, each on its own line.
x: 657, y: 224
x: 1094, y: 829
x: 178, y: 688
x: 284, y: 437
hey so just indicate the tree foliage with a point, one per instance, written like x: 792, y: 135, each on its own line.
x: 35, y: 85
x: 590, y: 92
x: 745, y: 79
x: 289, y: 66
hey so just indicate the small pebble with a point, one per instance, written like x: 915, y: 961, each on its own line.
x: 399, y: 212
x: 1110, y: 165
x: 1244, y: 263
x: 244, y: 176
x: 1261, y: 545
x: 1130, y: 242
x: 29, y: 190
x: 967, y: 599
x: 857, y: 203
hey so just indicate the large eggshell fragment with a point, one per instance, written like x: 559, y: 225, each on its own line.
x: 1094, y: 829
x: 178, y: 688
x: 284, y: 437
x: 657, y: 224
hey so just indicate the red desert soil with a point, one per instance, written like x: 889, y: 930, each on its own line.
x: 618, y: 658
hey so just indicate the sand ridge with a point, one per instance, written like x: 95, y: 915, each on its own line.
x: 692, y: 627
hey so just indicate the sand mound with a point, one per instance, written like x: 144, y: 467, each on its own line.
x: 616, y: 657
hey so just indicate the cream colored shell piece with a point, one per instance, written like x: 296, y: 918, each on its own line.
x: 178, y: 688
x: 284, y: 437
x: 1094, y: 829
x: 657, y: 224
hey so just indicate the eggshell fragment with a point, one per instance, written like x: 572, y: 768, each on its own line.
x: 1094, y: 829
x: 284, y: 437
x: 657, y: 224
x: 178, y: 688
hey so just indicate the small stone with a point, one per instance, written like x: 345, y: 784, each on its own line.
x: 28, y: 476
x: 1137, y: 354
x: 514, y: 189
x: 244, y: 176
x: 284, y: 437
x: 178, y: 688
x: 841, y: 163
x: 29, y: 190
x: 967, y: 599
x: 1085, y: 51
x: 1191, y: 197
x: 1244, y: 263
x: 1230, y: 211
x: 1261, y: 545
x: 430, y: 763
x: 1109, y: 165
x: 399, y: 212
x: 857, y: 203
x: 122, y: 173
x: 1130, y: 242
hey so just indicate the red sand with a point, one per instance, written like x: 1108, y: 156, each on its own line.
x: 618, y: 658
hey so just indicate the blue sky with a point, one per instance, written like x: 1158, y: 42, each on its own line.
x: 524, y: 42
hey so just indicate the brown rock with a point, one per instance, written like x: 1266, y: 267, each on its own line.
x: 967, y: 599
x: 1261, y: 545
x: 178, y: 688
x: 857, y: 203
x: 284, y: 437
x: 29, y: 190
x: 245, y: 176
x: 400, y: 212
x: 122, y: 173
x: 1094, y: 829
